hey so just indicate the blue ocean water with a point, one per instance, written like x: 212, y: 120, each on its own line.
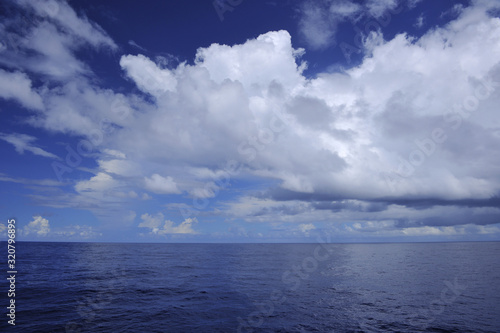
x: 410, y: 287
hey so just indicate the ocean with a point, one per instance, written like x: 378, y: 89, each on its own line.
x: 111, y: 287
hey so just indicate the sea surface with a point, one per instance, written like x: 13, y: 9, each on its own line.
x: 107, y: 287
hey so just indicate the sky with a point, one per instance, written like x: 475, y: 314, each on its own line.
x: 250, y: 121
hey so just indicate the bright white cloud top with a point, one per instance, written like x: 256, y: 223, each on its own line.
x: 404, y: 143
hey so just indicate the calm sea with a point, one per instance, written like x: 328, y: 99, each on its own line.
x: 97, y: 287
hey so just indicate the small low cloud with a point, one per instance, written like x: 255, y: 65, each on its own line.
x: 159, y: 226
x: 78, y: 232
x: 39, y: 227
x: 161, y: 185
x: 420, y: 21
x: 100, y: 182
x: 306, y: 227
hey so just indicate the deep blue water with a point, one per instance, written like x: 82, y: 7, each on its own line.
x: 96, y: 287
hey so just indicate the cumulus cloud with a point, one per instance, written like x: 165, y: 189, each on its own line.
x: 23, y: 142
x: 100, y: 182
x: 39, y: 226
x: 272, y: 53
x: 387, y: 128
x: 160, y: 226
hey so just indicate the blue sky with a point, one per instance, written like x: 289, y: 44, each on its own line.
x: 250, y: 121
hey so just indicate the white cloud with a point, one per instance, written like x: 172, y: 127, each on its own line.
x: 120, y: 167
x: 319, y: 20
x: 306, y: 227
x: 254, y: 209
x: 100, y: 182
x: 147, y: 75
x: 77, y: 232
x: 454, y: 11
x: 78, y: 107
x: 17, y: 86
x: 344, y: 132
x: 131, y: 42
x: 39, y: 226
x: 114, y: 153
x: 419, y: 23
x: 365, y: 216
x: 161, y: 185
x: 146, y: 196
x: 46, y: 43
x: 65, y: 17
x: 104, y: 195
x: 186, y: 227
x: 345, y: 9
x: 376, y: 229
x: 431, y: 231
x: 209, y: 190
x: 55, y: 56
x: 465, y: 229
x: 160, y: 226
x: 378, y: 7
x: 151, y: 222
x: 316, y: 26
x: 23, y: 142
x: 271, y: 53
x: 25, y: 181
x: 413, y: 3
